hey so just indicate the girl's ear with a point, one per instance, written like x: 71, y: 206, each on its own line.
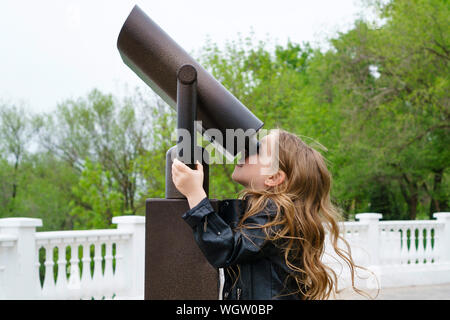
x: 275, y: 179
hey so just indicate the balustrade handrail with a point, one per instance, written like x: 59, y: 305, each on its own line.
x: 410, y: 222
x: 354, y: 224
x: 348, y: 226
x: 7, y: 237
x: 77, y: 235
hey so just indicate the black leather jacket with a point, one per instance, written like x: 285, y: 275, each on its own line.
x: 262, y: 268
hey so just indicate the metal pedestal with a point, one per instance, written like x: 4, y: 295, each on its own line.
x: 175, y: 268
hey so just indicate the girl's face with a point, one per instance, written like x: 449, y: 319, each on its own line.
x: 258, y: 168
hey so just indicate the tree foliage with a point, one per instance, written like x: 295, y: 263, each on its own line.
x: 375, y: 104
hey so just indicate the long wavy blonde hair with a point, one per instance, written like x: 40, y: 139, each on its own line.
x: 305, y: 212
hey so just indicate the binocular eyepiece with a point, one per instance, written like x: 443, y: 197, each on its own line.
x: 252, y: 147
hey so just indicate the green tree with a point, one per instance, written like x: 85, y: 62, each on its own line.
x: 17, y: 128
x: 118, y: 149
x: 375, y: 104
x: 46, y: 184
x: 151, y: 165
x: 109, y: 132
x: 98, y: 198
x: 394, y: 83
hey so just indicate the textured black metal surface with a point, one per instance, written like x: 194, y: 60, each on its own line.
x: 187, y: 113
x: 171, y: 192
x: 187, y: 74
x: 175, y: 268
x: 156, y: 58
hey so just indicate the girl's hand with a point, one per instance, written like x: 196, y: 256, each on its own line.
x: 189, y: 182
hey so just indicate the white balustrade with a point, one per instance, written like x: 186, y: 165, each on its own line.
x: 82, y: 264
x: 103, y: 284
x: 409, y: 242
x: 399, y: 253
x: 109, y: 264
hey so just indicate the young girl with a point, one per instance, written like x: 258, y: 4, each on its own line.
x: 274, y: 250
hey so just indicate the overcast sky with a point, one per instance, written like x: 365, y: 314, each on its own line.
x: 52, y: 50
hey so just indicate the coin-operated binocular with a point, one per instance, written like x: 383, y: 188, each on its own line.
x: 174, y: 265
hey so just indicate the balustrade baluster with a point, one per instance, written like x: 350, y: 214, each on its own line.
x: 397, y: 248
x: 420, y: 247
x: 391, y: 245
x: 386, y: 252
x: 61, y: 278
x: 382, y: 237
x: 437, y: 245
x: 425, y: 243
x: 433, y: 250
x: 119, y: 274
x: 49, y: 279
x: 74, y: 277
x: 394, y: 245
x: 404, y: 245
x: 425, y: 233
x: 86, y: 277
x: 359, y: 247
x: 108, y: 274
x: 97, y: 279
x: 38, y: 278
x: 412, y: 246
x: 430, y: 244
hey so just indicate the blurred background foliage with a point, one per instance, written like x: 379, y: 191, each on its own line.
x: 375, y: 103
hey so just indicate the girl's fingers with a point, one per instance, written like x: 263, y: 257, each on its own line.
x: 176, y: 163
x: 180, y: 165
x: 175, y: 172
x: 199, y: 165
x: 177, y: 169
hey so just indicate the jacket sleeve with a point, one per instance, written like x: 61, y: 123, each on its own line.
x: 223, y: 246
